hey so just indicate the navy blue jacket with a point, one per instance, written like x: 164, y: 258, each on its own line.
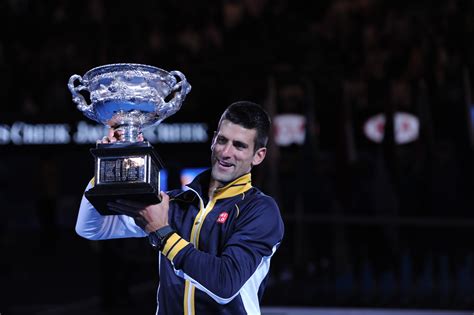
x: 218, y: 260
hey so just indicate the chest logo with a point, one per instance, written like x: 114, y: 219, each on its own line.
x: 222, y: 217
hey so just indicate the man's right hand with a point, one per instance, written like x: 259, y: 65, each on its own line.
x: 149, y: 217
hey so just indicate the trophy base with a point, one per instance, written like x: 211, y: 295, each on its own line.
x: 142, y: 192
x: 127, y: 171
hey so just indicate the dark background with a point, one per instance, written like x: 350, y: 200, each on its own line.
x: 367, y: 224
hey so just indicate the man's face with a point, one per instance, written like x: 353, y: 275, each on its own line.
x: 233, y: 152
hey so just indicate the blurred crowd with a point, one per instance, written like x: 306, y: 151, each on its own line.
x: 359, y: 215
x: 372, y: 50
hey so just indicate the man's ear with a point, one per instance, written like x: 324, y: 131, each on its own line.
x: 213, y: 141
x: 259, y: 156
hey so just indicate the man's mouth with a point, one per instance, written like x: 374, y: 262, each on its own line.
x: 224, y: 164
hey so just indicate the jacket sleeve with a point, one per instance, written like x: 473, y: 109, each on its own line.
x: 92, y: 225
x: 245, y: 258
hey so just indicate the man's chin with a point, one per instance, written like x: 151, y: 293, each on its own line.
x: 220, y: 177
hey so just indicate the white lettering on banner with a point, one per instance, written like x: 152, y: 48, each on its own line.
x: 178, y: 133
x: 89, y: 133
x: 4, y: 134
x: 21, y: 133
x: 15, y: 134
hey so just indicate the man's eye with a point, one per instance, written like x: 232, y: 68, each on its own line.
x: 221, y: 140
x: 240, y: 146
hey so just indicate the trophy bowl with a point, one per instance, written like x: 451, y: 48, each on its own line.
x: 129, y: 96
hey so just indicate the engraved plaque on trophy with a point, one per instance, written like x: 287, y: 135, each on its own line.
x: 129, y: 97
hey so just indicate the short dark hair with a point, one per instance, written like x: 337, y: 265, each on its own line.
x: 251, y: 116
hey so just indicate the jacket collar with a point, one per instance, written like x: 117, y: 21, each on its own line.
x: 240, y: 185
x: 234, y: 188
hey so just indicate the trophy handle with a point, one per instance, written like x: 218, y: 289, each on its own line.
x: 76, y: 96
x: 181, y: 88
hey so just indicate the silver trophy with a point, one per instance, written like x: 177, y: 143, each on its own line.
x: 130, y: 97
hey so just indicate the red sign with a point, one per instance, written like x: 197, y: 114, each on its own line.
x: 406, y: 127
x: 289, y: 129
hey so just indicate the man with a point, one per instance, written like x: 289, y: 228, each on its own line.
x: 215, y: 239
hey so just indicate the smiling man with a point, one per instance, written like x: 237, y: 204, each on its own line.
x: 214, y: 240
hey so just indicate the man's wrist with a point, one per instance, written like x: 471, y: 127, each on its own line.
x: 159, y: 237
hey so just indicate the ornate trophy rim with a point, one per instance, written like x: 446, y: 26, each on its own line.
x: 115, y: 67
x: 133, y: 95
x: 131, y: 65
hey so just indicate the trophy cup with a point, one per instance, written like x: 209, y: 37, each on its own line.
x: 129, y: 97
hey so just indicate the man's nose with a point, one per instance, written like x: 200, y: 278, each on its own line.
x: 227, y: 150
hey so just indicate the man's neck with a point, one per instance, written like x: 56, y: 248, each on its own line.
x: 213, y: 186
